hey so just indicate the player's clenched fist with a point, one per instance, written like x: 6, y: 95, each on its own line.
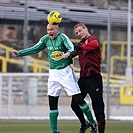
x: 15, y: 53
x: 65, y: 55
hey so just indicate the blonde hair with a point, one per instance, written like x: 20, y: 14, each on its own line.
x: 80, y: 24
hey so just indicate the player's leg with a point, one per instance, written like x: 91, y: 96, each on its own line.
x: 53, y: 114
x: 95, y: 91
x: 84, y: 107
x: 54, y: 89
x: 77, y: 110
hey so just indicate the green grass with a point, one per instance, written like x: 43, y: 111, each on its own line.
x: 64, y: 127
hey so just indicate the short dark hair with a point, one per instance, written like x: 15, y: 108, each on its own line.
x: 80, y: 24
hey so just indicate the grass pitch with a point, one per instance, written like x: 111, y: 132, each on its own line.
x: 14, y: 126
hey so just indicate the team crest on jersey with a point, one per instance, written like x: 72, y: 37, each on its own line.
x: 56, y: 55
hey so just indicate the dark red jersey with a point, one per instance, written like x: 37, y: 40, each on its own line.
x: 89, y: 56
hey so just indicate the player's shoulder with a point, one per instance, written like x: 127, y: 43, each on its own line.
x: 62, y: 35
x: 93, y: 37
x: 45, y: 37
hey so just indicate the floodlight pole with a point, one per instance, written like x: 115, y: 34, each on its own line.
x: 25, y: 68
x: 108, y: 61
x: 129, y: 69
x: 25, y: 34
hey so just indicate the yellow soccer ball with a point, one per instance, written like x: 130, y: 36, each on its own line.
x: 54, y: 18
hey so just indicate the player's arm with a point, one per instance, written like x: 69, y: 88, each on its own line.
x: 29, y: 51
x: 89, y: 46
x: 32, y: 50
x: 76, y: 51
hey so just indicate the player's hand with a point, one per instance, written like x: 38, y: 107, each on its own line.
x: 65, y: 55
x: 77, y: 47
x: 15, y: 53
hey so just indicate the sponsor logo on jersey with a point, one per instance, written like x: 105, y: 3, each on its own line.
x: 56, y: 55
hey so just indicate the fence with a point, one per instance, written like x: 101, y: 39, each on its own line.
x: 43, y: 65
x: 24, y: 96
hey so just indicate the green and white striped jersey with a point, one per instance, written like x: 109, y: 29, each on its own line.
x: 55, y: 48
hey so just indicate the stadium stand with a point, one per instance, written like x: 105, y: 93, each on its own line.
x: 13, y: 10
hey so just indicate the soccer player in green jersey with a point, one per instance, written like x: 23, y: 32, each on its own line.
x: 60, y: 50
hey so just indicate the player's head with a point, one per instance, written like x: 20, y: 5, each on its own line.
x: 52, y: 30
x: 81, y: 30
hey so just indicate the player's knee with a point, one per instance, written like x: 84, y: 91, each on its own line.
x: 79, y: 99
x: 53, y: 103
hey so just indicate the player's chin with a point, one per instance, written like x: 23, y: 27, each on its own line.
x: 82, y: 37
x: 51, y: 35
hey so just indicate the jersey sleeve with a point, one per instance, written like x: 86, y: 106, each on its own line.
x: 92, y: 44
x: 33, y: 50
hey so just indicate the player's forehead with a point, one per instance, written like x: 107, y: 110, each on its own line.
x: 79, y: 28
x: 49, y: 26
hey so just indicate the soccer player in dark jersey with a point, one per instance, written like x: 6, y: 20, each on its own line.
x: 90, y: 81
x: 61, y: 74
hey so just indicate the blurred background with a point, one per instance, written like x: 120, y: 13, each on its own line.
x: 23, y: 81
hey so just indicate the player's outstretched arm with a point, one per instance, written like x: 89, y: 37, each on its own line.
x: 15, y: 53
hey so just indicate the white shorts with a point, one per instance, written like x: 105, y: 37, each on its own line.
x: 62, y: 78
